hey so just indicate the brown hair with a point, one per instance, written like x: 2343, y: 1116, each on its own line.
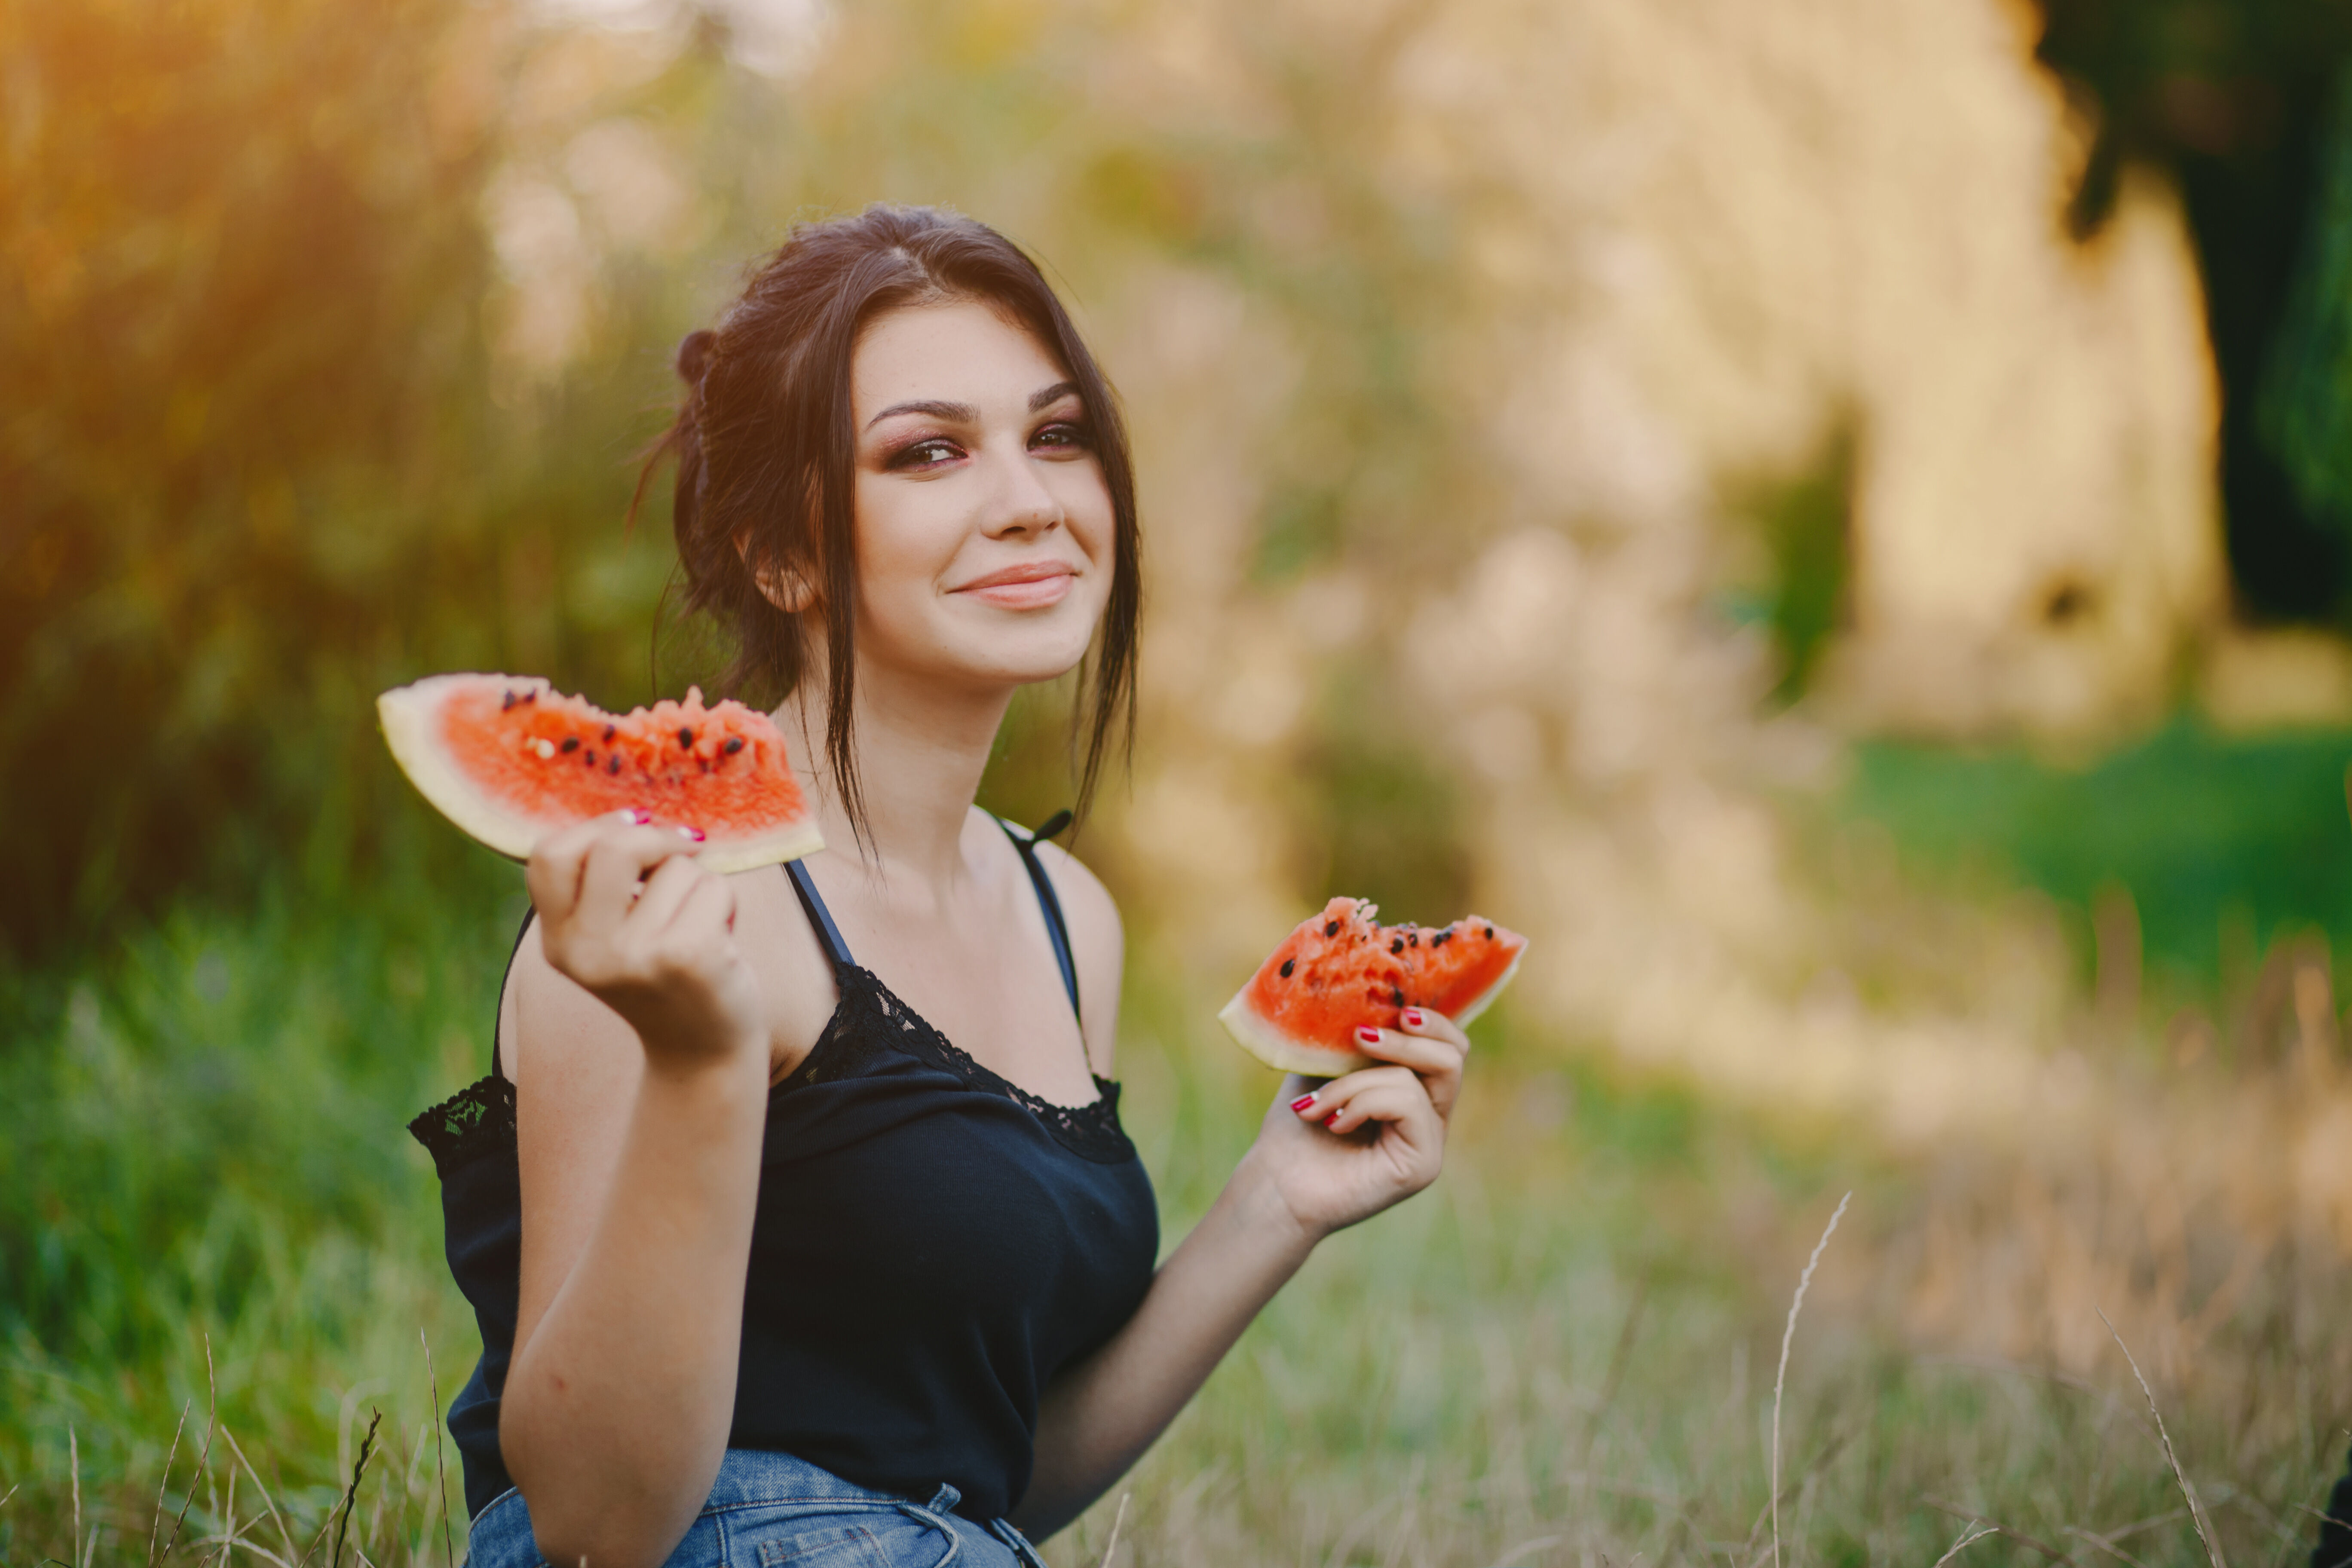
x: 766, y: 457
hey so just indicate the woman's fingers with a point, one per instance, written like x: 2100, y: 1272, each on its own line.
x: 553, y: 876
x: 1424, y: 1054
x: 617, y: 864
x: 1430, y: 1045
x: 1433, y: 1025
x: 1375, y: 1094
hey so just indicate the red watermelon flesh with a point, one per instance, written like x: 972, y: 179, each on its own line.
x: 1343, y: 969
x: 510, y: 759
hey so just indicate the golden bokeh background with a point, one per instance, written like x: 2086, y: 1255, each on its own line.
x: 1686, y: 478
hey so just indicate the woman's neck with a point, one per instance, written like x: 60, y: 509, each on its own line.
x: 920, y: 750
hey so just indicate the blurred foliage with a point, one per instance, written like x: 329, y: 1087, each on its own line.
x: 1806, y: 526
x: 329, y: 345
x: 256, y: 1062
x: 255, y: 474
x: 1376, y: 817
x: 2208, y: 832
x: 2234, y: 98
x: 240, y: 283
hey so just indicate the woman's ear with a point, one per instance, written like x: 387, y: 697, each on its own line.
x: 784, y: 586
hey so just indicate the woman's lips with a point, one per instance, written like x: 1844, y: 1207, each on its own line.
x: 1023, y: 587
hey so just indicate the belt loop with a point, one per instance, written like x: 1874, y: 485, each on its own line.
x: 1023, y: 1553
x: 944, y: 1500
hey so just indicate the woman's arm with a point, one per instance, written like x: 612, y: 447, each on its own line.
x: 642, y: 1057
x: 1304, y: 1178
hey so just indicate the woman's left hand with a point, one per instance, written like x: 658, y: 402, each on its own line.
x: 1340, y: 1151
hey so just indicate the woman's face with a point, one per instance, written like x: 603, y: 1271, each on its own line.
x: 984, y: 531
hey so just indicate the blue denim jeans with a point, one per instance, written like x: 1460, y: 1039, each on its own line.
x: 771, y: 1510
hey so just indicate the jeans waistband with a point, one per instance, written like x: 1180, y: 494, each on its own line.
x: 748, y: 1476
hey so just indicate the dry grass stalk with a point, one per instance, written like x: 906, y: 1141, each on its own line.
x: 1116, y: 1520
x: 1969, y: 1536
x: 2031, y: 1542
x: 2196, y: 1508
x: 155, y: 1525
x: 1780, y: 1378
x: 204, y: 1459
x: 73, y: 1468
x: 440, y: 1469
x: 342, y: 1515
x: 267, y: 1502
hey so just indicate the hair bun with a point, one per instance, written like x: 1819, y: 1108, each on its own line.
x: 694, y: 353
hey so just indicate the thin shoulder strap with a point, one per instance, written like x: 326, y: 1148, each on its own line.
x: 1056, y: 927
x: 499, y: 1007
x: 819, y: 916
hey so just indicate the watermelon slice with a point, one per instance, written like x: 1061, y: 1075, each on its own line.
x: 1342, y: 969
x: 509, y: 759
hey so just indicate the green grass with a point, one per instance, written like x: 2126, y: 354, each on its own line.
x: 1565, y: 1350
x: 2208, y: 832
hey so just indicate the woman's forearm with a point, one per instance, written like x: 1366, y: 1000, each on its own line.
x: 616, y: 1409
x: 1099, y: 1417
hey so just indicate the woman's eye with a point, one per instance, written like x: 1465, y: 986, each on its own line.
x: 1063, y: 435
x: 923, y: 453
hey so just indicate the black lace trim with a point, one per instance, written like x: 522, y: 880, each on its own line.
x: 481, y: 1117
x: 478, y: 1120
x: 870, y: 1017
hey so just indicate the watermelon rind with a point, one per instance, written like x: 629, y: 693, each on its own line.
x: 1278, y: 1050
x: 406, y: 714
x: 1485, y: 999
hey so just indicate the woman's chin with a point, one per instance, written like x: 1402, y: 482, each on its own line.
x: 1019, y: 651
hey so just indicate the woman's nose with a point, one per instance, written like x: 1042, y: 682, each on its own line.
x: 1019, y: 502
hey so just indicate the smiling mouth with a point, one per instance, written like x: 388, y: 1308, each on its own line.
x: 1026, y: 587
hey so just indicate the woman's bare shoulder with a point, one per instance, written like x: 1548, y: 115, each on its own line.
x: 544, y: 1011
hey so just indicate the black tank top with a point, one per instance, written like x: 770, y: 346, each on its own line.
x: 931, y: 1244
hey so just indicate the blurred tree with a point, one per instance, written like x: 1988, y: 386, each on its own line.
x: 239, y: 266
x: 2234, y: 99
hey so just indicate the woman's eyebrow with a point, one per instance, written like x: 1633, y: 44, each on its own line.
x: 964, y: 413
x: 955, y: 413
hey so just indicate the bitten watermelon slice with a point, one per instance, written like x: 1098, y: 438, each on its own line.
x: 509, y: 759
x: 1342, y: 969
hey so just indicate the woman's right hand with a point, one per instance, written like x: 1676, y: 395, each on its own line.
x: 628, y: 913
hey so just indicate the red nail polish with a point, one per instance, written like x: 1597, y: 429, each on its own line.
x: 1412, y: 1017
x: 693, y: 833
x: 1302, y: 1102
x: 1369, y: 1035
x: 640, y: 816
x: 1332, y: 1120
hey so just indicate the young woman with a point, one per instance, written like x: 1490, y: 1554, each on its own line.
x: 796, y: 1210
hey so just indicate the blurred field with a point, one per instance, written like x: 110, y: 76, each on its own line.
x: 1669, y: 477
x: 1564, y: 1353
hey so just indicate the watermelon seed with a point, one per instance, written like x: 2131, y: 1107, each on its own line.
x: 570, y: 744
x: 1287, y: 966
x: 1397, y: 992
x: 1490, y: 933
x: 1331, y: 928
x: 734, y: 745
x: 685, y: 740
x: 1397, y: 946
x: 613, y: 765
x: 609, y: 731
x: 1413, y: 937
x: 508, y: 703
x: 1438, y: 940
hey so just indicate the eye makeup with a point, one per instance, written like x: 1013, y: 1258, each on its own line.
x: 920, y: 452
